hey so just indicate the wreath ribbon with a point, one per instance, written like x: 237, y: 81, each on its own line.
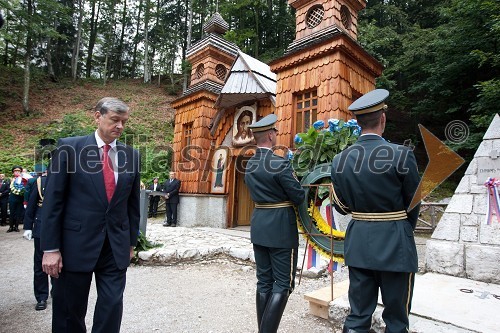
x: 327, y: 241
x: 492, y: 186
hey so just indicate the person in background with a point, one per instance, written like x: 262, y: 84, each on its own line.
x: 32, y: 221
x: 274, y: 235
x: 91, y: 220
x: 375, y: 181
x: 4, y: 198
x: 16, y: 199
x: 171, y: 190
x: 39, y: 169
x: 154, y: 199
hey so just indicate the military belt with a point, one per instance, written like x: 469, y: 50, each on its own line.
x: 274, y: 204
x: 380, y: 217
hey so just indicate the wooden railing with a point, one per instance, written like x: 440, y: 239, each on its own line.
x: 430, y: 213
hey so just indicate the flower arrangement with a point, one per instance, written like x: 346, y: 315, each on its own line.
x: 320, y: 144
x: 18, y: 189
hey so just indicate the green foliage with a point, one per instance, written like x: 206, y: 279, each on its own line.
x: 319, y: 145
x: 72, y: 124
x: 143, y: 244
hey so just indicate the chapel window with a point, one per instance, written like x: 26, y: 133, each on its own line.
x: 306, y: 110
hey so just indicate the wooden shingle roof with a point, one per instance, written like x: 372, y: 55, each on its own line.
x: 249, y: 79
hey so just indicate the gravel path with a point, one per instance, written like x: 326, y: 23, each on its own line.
x: 214, y: 296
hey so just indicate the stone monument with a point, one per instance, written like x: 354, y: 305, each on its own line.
x: 466, y: 243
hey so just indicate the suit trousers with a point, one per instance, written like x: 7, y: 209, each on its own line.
x: 396, y: 289
x: 171, y: 212
x: 40, y: 278
x: 276, y: 268
x: 3, y: 210
x: 71, y: 293
x: 153, y: 204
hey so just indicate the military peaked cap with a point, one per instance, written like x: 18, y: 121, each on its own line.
x: 370, y: 102
x: 264, y: 124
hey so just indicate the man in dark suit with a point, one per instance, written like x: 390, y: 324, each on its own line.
x: 91, y: 221
x: 4, y: 198
x: 275, y: 191
x: 171, y: 189
x: 32, y: 222
x: 154, y: 199
x: 376, y: 181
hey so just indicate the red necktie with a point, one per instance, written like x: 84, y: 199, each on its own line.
x: 107, y: 171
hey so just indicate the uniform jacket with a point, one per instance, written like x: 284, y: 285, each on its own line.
x: 172, y: 188
x: 367, y: 184
x: 33, y: 213
x: 270, y: 179
x: 76, y: 214
x: 30, y: 185
x: 4, y: 189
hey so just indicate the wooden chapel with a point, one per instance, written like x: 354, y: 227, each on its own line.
x: 323, y: 70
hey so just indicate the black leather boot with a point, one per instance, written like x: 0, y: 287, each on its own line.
x: 16, y: 227
x: 10, y: 229
x: 348, y: 330
x: 274, y: 310
x: 260, y: 303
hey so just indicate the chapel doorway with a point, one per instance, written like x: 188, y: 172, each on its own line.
x: 243, y: 202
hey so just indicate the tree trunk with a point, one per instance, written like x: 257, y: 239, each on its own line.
x: 118, y: 62
x: 93, y: 35
x: 50, y: 67
x: 108, y: 41
x: 189, y: 10
x: 257, y: 32
x: 6, y: 40
x: 27, y: 60
x: 147, y: 74
x: 76, y: 49
x: 136, y: 40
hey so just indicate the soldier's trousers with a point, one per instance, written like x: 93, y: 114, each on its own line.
x: 276, y: 268
x: 396, y: 289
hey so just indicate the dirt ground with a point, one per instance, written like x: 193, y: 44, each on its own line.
x: 205, y: 297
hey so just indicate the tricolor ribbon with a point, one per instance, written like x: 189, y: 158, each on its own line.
x: 493, y: 185
x: 313, y: 257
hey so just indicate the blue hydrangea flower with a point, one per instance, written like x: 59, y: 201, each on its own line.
x: 289, y: 155
x: 318, y: 124
x: 297, y: 139
x: 352, y: 123
x: 333, y: 124
x: 357, y: 131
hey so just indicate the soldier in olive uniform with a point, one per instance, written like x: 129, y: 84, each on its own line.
x: 275, y: 190
x: 376, y: 181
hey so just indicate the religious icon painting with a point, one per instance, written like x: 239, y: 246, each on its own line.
x: 243, y: 117
x: 219, y: 170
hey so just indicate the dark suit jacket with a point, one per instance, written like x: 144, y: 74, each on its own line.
x: 367, y: 184
x: 172, y: 188
x: 33, y: 213
x: 159, y: 187
x: 76, y: 214
x: 4, y: 189
x: 270, y: 179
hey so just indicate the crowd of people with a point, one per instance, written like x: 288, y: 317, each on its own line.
x: 84, y: 219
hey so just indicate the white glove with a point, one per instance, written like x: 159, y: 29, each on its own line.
x: 28, y: 234
x: 25, y: 206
